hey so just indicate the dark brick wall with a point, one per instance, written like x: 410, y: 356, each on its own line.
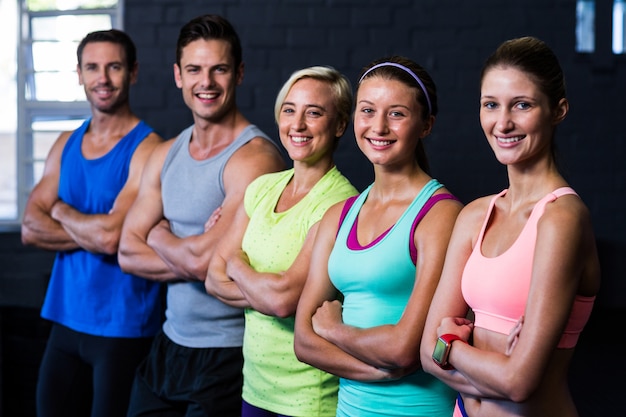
x: 450, y: 38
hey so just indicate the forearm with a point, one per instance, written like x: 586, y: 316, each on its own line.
x: 219, y: 285
x: 137, y: 258
x: 319, y: 353
x: 458, y: 382
x: 381, y: 346
x: 184, y: 256
x: 98, y: 233
x: 386, y: 346
x: 227, y: 292
x: 482, y: 372
x: 459, y: 378
x: 42, y: 231
x: 268, y: 293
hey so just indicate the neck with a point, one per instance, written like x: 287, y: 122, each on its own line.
x: 305, y: 176
x: 398, y: 185
x: 208, y: 133
x: 112, y: 124
x: 531, y: 183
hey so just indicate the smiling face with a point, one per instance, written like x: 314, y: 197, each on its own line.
x: 308, y: 121
x: 105, y: 75
x: 388, y: 121
x: 516, y: 117
x: 208, y: 78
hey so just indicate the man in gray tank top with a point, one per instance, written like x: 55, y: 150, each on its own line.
x: 194, y: 367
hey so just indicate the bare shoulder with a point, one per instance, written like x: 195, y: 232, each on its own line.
x: 448, y: 206
x: 147, y: 146
x: 53, y: 160
x: 330, y: 219
x: 152, y: 140
x: 264, y: 155
x: 566, y: 229
x: 59, y: 144
x: 476, y: 210
x: 161, y: 148
x: 155, y: 158
x: 333, y: 213
x: 567, y: 214
x: 471, y: 217
x: 259, y: 144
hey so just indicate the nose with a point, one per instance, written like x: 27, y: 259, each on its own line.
x: 379, y: 124
x: 505, y: 121
x: 207, y: 78
x: 298, y: 121
x: 104, y: 75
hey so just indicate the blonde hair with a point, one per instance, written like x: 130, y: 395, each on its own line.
x: 338, y: 82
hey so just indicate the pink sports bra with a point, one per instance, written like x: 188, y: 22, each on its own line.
x: 497, y: 288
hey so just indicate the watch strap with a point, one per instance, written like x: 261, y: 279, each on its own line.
x: 448, y: 338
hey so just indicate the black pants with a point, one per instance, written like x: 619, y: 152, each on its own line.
x: 83, y: 375
x: 177, y: 381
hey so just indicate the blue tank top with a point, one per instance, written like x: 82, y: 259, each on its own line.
x: 376, y: 282
x: 88, y: 292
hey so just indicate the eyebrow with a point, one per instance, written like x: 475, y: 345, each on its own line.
x: 391, y: 106
x: 317, y: 106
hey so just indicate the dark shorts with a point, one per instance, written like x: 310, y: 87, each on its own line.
x: 176, y: 381
x: 249, y: 410
x: 86, y: 375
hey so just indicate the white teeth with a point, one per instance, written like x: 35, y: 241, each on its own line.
x: 206, y: 95
x: 380, y: 142
x: 300, y: 139
x: 510, y: 140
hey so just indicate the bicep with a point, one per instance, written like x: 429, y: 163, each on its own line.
x: 318, y: 287
x: 38, y: 226
x: 246, y: 164
x: 46, y: 191
x: 556, y: 272
x: 146, y: 208
x: 300, y: 267
x: 138, y: 162
x: 234, y: 228
x: 448, y: 299
x: 432, y: 239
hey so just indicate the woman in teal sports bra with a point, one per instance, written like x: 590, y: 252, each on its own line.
x: 521, y: 263
x: 381, y: 254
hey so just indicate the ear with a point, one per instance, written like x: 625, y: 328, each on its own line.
x: 134, y: 71
x: 177, y: 77
x: 341, y: 129
x: 561, y: 111
x: 80, y: 75
x: 240, y: 72
x: 428, y: 126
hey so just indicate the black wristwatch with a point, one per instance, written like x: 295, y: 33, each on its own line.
x: 442, y: 350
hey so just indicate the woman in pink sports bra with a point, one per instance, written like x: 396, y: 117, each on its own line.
x: 521, y: 264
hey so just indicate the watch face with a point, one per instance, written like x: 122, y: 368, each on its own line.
x: 439, y: 354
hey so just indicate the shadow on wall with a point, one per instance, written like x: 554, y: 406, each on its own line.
x: 613, y: 264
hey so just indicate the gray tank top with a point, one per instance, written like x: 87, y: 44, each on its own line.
x: 191, y: 191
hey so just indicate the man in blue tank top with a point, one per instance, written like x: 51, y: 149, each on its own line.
x: 103, y: 319
x: 195, y: 365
